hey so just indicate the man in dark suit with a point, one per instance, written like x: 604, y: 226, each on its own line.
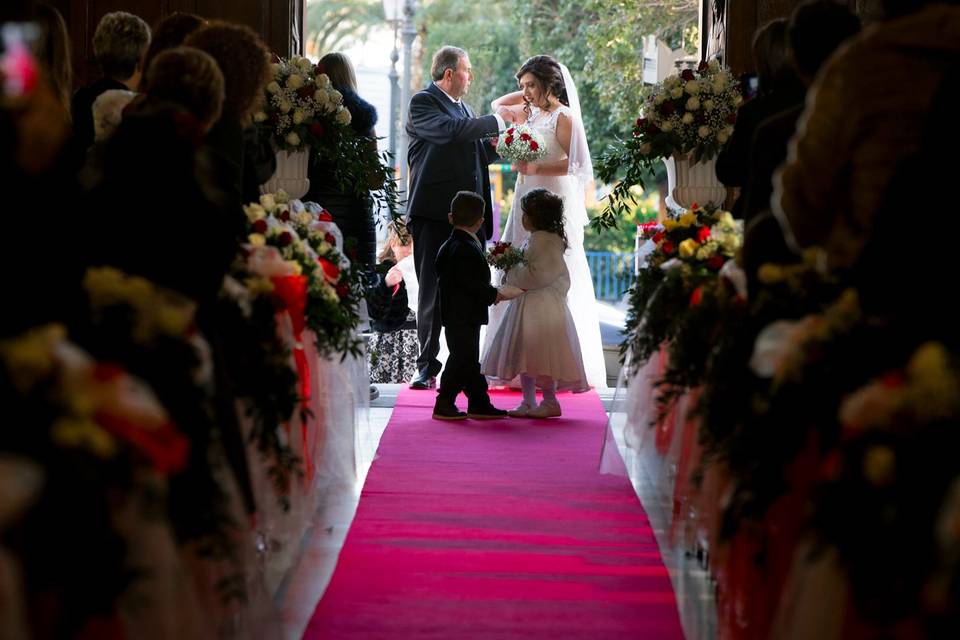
x: 465, y: 293
x: 448, y: 153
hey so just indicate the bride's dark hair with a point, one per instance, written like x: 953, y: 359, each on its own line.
x: 547, y: 72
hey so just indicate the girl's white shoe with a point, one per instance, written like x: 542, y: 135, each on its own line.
x: 547, y: 409
x: 521, y: 411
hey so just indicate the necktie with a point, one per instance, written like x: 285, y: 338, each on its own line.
x: 463, y: 110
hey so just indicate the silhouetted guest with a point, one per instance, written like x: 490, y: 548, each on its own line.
x: 244, y: 163
x: 170, y: 32
x: 118, y: 46
x: 778, y: 88
x: 353, y: 213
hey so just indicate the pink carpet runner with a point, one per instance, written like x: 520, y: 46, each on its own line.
x: 499, y: 529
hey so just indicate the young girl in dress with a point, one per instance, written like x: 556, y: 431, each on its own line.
x: 537, y: 338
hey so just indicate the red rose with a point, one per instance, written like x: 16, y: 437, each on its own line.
x: 524, y: 136
x: 892, y: 379
x: 641, y: 122
x: 696, y: 297
x: 305, y: 92
x: 353, y: 253
x: 330, y: 238
x: 694, y: 206
x: 732, y: 118
x: 330, y: 271
x: 284, y: 215
x: 715, y: 262
x: 317, y: 129
x: 324, y: 216
x: 703, y: 234
x: 343, y: 290
x: 510, y: 131
x: 668, y: 247
x: 703, y: 66
x: 687, y: 74
x: 508, y: 141
x: 652, y: 129
x: 284, y: 239
x: 667, y: 108
x: 701, y: 117
x: 260, y: 226
x: 319, y: 69
x: 534, y: 146
x: 658, y: 236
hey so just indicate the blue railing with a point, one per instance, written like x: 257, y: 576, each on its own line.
x: 612, y: 273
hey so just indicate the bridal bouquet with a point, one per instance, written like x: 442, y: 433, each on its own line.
x: 521, y: 143
x: 505, y: 256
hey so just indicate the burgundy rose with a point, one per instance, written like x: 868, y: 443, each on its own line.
x: 524, y: 136
x: 732, y: 118
x: 534, y: 146
x: 687, y: 75
x: 284, y: 215
x: 652, y: 129
x: 259, y: 226
x: 284, y: 239
x: 305, y: 92
x: 667, y: 108
x: 343, y: 290
x: 641, y: 123
x: 715, y: 262
x: 668, y: 247
x: 317, y: 129
x: 329, y: 237
x: 701, y: 117
x: 508, y: 141
x: 703, y: 66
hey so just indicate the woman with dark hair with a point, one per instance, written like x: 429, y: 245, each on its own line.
x: 778, y: 88
x: 352, y: 213
x: 548, y: 102
x: 170, y: 32
x: 55, y: 52
x: 242, y: 163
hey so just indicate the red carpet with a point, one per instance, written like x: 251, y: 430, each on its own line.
x: 500, y: 529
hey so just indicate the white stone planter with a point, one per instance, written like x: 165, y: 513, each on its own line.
x: 689, y: 182
x: 291, y: 174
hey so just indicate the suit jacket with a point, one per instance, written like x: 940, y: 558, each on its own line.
x: 447, y: 153
x: 465, y: 289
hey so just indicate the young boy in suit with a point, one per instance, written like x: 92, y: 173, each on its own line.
x: 465, y: 293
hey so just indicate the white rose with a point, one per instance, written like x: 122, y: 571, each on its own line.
x: 737, y: 99
x: 268, y: 202
x: 285, y: 106
x: 323, y: 80
x: 692, y: 87
x: 645, y: 148
x: 329, y: 293
x: 275, y: 69
x: 259, y: 116
x: 708, y: 105
x: 298, y: 117
x: 719, y: 83
x: 293, y: 139
x: 320, y: 96
x: 295, y: 81
x: 273, y: 87
x: 693, y: 104
x: 659, y: 98
x: 729, y: 131
x: 703, y: 131
x: 335, y: 96
x: 687, y: 118
x: 666, y: 127
x: 676, y: 92
x: 714, y: 65
x: 722, y: 137
x: 282, y: 197
x: 254, y: 212
x: 343, y: 116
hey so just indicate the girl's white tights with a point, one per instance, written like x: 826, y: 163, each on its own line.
x: 529, y: 386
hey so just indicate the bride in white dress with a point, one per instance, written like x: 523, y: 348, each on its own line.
x: 548, y: 101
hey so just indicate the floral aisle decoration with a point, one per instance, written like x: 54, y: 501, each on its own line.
x: 105, y: 448
x: 687, y: 115
x: 304, y: 113
x: 324, y: 289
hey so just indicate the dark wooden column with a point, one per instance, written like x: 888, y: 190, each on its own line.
x: 279, y: 22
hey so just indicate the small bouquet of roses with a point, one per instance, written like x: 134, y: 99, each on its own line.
x: 521, y: 143
x: 505, y: 256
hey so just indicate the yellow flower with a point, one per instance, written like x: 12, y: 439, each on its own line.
x: 257, y: 239
x: 84, y: 434
x: 669, y: 224
x: 295, y: 267
x: 726, y: 218
x: 770, y: 273
x: 879, y: 465
x: 688, y: 219
x: 30, y: 357
x: 258, y: 286
x: 934, y: 387
x: 688, y: 248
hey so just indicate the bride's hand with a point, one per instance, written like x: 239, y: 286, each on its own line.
x: 525, y: 168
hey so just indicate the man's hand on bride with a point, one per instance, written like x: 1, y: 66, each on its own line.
x: 526, y: 168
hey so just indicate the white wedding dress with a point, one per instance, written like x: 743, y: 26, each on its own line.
x: 581, y: 298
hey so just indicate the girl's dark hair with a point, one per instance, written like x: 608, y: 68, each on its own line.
x: 544, y: 209
x: 547, y: 72
x: 772, y: 58
x: 170, y: 32
x: 55, y: 52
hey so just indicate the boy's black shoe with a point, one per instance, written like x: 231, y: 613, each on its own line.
x: 447, y: 411
x: 488, y: 412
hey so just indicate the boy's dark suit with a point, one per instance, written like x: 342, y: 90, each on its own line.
x: 465, y: 295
